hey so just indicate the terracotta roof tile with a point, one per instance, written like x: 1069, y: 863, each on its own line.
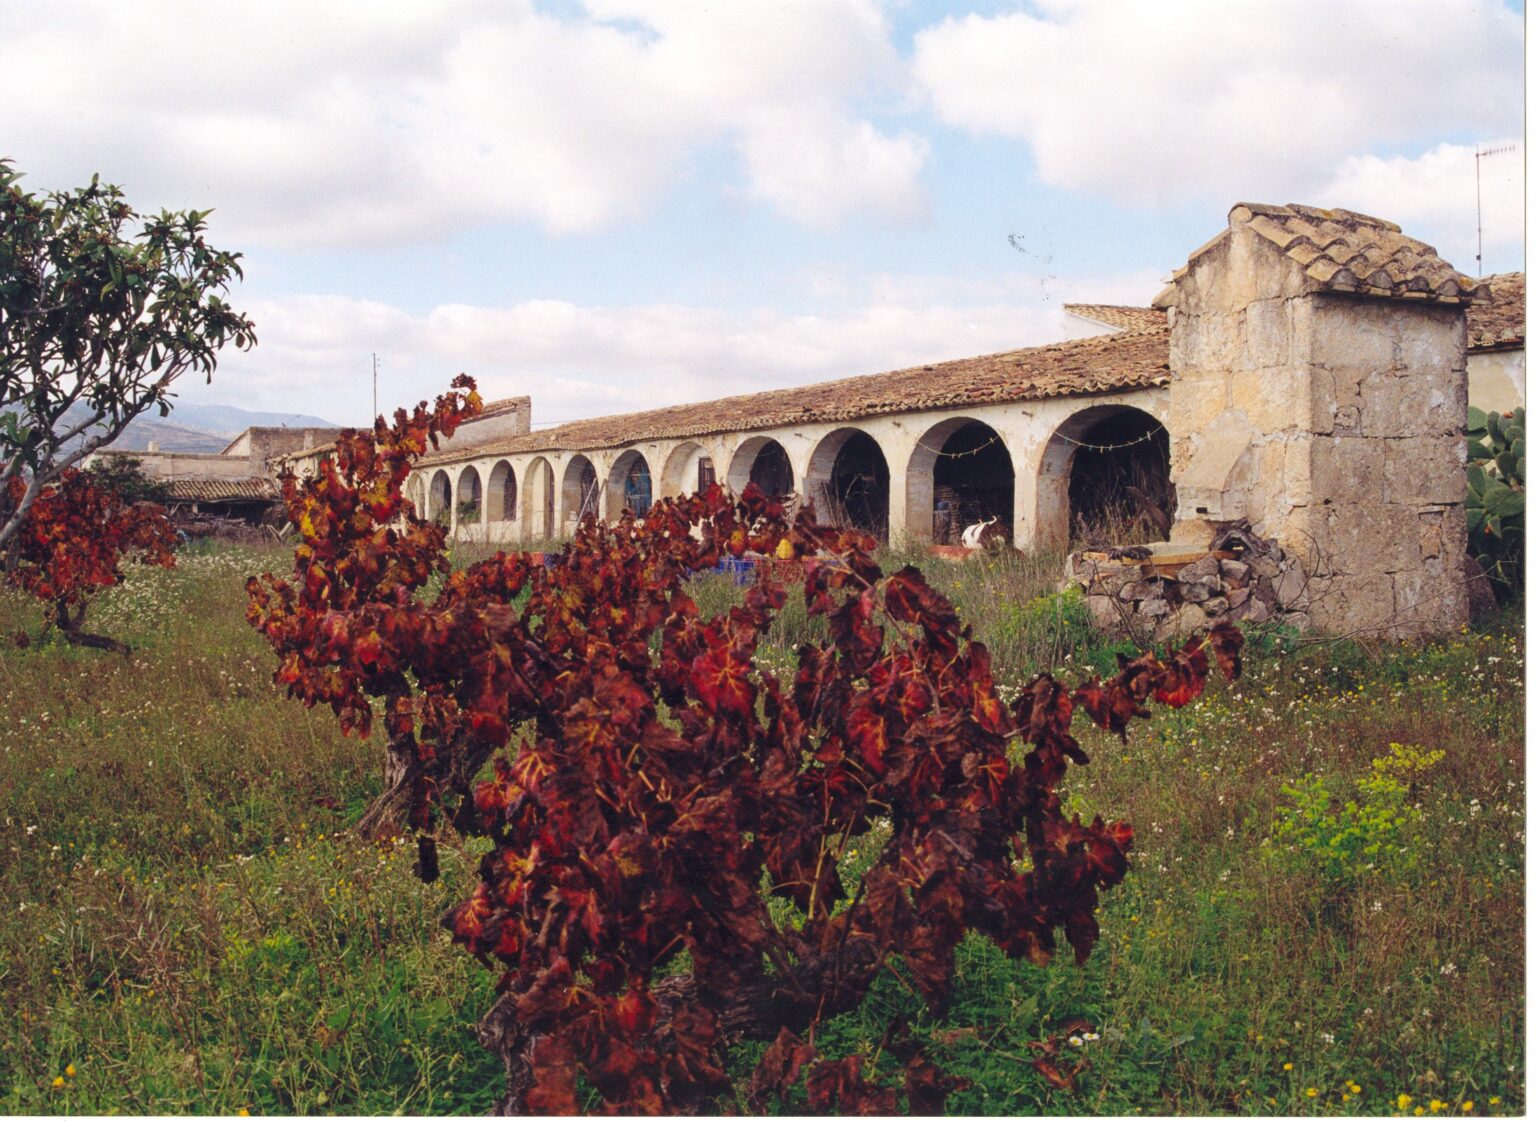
x: 1344, y: 251
x: 1101, y: 364
x: 1125, y: 318
x: 222, y: 490
x: 1500, y: 323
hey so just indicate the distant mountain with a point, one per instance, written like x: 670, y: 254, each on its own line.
x: 206, y: 429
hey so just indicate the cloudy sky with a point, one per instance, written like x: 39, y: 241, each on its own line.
x: 614, y: 204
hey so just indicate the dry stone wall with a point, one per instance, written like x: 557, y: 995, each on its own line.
x: 1241, y: 579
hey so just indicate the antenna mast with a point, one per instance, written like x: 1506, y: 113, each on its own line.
x: 1478, y: 160
x: 376, y: 359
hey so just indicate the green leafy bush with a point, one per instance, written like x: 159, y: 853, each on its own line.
x: 1496, y: 496
x: 1363, y: 834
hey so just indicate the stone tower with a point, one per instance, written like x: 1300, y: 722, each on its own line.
x: 1319, y: 390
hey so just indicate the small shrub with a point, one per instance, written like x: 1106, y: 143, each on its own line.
x: 1364, y: 834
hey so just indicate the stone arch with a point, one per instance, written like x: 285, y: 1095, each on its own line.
x: 416, y: 491
x: 960, y: 473
x: 688, y: 469
x: 629, y: 486
x: 469, y: 498
x: 1105, y: 473
x: 849, y: 480
x: 762, y: 460
x: 579, y: 493
x: 440, y: 498
x: 501, y: 493
x: 539, y: 500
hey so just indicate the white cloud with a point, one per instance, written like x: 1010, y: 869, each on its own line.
x: 1433, y: 196
x: 1151, y: 104
x: 579, y: 361
x: 360, y: 123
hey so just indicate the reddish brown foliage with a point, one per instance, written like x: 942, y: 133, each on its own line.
x: 72, y: 543
x: 662, y: 785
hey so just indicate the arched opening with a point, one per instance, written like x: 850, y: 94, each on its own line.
x: 469, y: 503
x: 1104, y: 479
x: 629, y: 486
x: 440, y: 498
x: 501, y: 493
x: 416, y: 492
x: 579, y: 492
x: 850, y: 483
x: 687, y: 471
x: 764, y: 462
x: 959, y: 475
x: 539, y: 500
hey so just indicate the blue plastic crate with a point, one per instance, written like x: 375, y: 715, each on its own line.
x: 739, y: 569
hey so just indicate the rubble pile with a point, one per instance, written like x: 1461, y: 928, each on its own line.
x: 1170, y: 591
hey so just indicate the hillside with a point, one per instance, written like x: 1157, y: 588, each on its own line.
x: 205, y: 428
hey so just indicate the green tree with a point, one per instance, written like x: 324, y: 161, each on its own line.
x: 124, y: 476
x: 96, y: 323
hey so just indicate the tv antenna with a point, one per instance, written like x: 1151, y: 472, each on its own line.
x: 376, y: 375
x: 1478, y: 160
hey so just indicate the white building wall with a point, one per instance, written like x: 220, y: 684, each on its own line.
x: 1041, y: 466
x: 1496, y: 379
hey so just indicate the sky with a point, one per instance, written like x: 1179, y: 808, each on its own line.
x: 613, y: 205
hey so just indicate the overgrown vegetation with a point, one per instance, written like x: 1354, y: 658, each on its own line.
x: 188, y: 925
x: 663, y: 788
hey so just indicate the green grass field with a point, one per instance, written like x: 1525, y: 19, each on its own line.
x: 1324, y: 915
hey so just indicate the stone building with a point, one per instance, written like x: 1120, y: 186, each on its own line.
x: 1307, y: 371
x: 236, y: 482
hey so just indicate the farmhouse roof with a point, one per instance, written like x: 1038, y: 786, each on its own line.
x: 222, y: 490
x: 1344, y: 251
x: 1101, y: 364
x: 1500, y: 323
x: 1120, y: 316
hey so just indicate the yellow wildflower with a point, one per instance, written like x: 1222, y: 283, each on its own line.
x: 1354, y: 1087
x: 1493, y: 1101
x: 58, y: 1081
x: 1311, y: 1091
x: 1466, y: 1107
x: 1404, y: 1101
x: 1289, y: 1066
x: 69, y: 1069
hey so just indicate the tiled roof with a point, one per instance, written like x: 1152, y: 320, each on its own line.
x: 1342, y: 251
x: 505, y: 405
x: 1101, y: 364
x: 1117, y: 315
x: 222, y: 490
x: 1500, y: 323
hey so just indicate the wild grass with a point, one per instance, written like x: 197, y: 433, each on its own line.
x: 186, y: 925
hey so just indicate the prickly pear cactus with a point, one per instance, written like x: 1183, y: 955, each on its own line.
x: 1496, y: 496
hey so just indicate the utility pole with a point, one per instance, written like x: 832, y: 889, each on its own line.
x: 376, y: 373
x: 1478, y: 159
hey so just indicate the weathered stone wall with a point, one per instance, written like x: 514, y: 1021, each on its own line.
x: 1332, y: 423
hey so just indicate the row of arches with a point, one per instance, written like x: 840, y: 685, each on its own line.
x: 1114, y: 459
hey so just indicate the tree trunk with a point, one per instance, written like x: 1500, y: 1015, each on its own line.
x: 69, y: 627
x: 388, y: 815
x: 813, y: 990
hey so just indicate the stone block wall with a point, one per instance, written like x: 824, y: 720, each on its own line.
x: 1332, y: 422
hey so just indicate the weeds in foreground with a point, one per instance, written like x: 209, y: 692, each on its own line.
x: 186, y: 925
